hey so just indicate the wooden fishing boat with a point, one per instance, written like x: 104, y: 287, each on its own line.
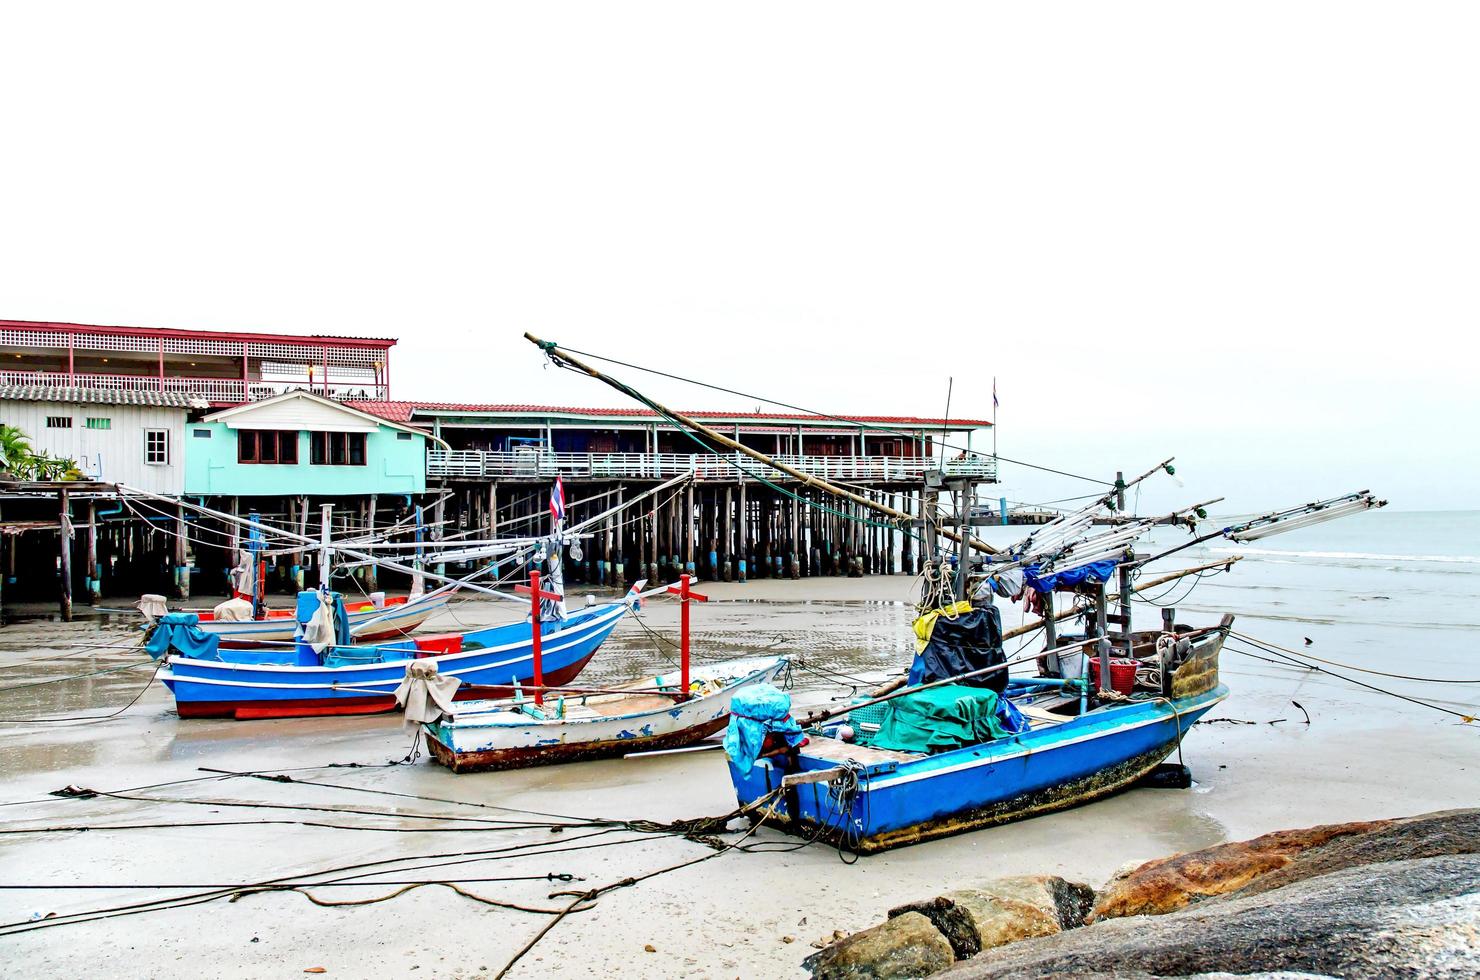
x: 870, y: 799
x: 296, y: 681
x: 368, y: 622
x: 650, y: 714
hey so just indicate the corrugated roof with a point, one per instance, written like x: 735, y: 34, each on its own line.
x: 254, y: 337
x: 402, y: 411
x: 100, y: 396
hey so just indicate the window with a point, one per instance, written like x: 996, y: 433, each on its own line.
x: 99, y: 423
x: 157, y: 446
x: 337, y: 448
x: 404, y: 436
x: 201, y: 433
x: 59, y: 421
x: 266, y: 446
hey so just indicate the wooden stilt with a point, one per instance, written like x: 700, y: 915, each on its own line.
x: 94, y: 581
x: 64, y: 543
x: 182, y: 555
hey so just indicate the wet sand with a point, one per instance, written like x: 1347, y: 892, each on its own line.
x: 1363, y: 755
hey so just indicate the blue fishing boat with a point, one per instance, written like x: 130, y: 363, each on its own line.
x: 871, y: 797
x: 296, y: 681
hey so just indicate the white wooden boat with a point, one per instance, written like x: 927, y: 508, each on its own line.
x: 647, y: 715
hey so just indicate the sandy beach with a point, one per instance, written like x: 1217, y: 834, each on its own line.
x: 1363, y: 754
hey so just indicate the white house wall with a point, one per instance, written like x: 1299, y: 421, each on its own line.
x: 114, y: 454
x: 302, y: 414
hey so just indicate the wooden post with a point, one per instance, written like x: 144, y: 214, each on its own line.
x: 689, y: 531
x: 298, y: 555
x: 372, y: 578
x: 1124, y: 568
x: 1104, y: 645
x: 726, y: 537
x: 619, y: 576
x: 744, y: 545
x: 535, y: 595
x: 685, y: 594
x: 182, y: 556
x: 94, y: 584
x: 437, y: 530
x: 64, y: 541
x: 326, y: 518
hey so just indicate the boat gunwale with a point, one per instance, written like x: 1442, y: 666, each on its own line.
x: 777, y: 665
x: 565, y: 635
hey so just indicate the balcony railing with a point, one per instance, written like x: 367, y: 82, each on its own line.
x: 705, y: 466
x: 217, y: 390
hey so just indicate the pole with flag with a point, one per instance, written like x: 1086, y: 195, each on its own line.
x: 557, y: 504
x: 994, y: 419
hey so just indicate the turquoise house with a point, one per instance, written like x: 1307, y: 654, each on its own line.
x: 302, y: 444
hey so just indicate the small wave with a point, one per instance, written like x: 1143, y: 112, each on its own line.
x: 1350, y: 555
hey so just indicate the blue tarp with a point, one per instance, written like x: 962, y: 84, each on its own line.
x: 182, y: 633
x: 1094, y: 573
x: 755, y: 712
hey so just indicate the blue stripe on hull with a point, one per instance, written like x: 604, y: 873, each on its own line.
x: 1047, y: 769
x: 508, y: 659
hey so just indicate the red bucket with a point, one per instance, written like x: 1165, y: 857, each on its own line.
x: 1122, y: 673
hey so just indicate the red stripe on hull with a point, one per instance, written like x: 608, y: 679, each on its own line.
x: 369, y: 705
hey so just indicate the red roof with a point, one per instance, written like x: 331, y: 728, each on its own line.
x: 401, y: 411
x: 315, y: 340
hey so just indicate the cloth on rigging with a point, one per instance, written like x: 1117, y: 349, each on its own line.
x: 970, y: 641
x: 756, y: 713
x: 181, y: 632
x: 154, y: 607
x: 553, y: 610
x: 322, y: 619
x: 426, y: 695
x: 1095, y: 573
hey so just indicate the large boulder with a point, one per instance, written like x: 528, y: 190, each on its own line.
x: 904, y: 946
x: 1283, y: 858
x: 1410, y: 918
x: 1170, y: 883
x: 1004, y: 910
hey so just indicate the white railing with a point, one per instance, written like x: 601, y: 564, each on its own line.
x: 221, y: 390
x: 705, y: 466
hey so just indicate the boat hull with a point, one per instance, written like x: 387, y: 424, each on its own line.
x: 501, y: 658
x: 502, y: 740
x: 1039, y: 772
x: 365, y: 625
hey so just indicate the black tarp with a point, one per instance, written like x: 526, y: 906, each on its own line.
x: 966, y: 643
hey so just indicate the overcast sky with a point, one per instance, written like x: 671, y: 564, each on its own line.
x: 1246, y: 235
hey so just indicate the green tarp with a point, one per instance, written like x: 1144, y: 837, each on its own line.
x: 940, y: 719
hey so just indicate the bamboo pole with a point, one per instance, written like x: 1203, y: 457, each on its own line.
x: 554, y: 352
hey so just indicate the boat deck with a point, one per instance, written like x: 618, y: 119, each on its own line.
x: 835, y: 750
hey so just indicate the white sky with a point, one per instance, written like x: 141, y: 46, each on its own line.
x: 1241, y: 234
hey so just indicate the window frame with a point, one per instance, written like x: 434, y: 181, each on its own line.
x: 338, y: 448
x: 59, y: 421
x: 280, y: 439
x: 164, y: 437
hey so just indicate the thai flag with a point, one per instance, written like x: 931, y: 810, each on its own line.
x: 994, y: 394
x: 557, y: 502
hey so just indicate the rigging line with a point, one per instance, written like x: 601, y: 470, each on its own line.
x: 138, y: 886
x: 1336, y: 663
x: 592, y: 894
x: 824, y: 415
x: 11, y: 928
x: 113, y: 714
x: 1466, y: 718
x: 75, y: 677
